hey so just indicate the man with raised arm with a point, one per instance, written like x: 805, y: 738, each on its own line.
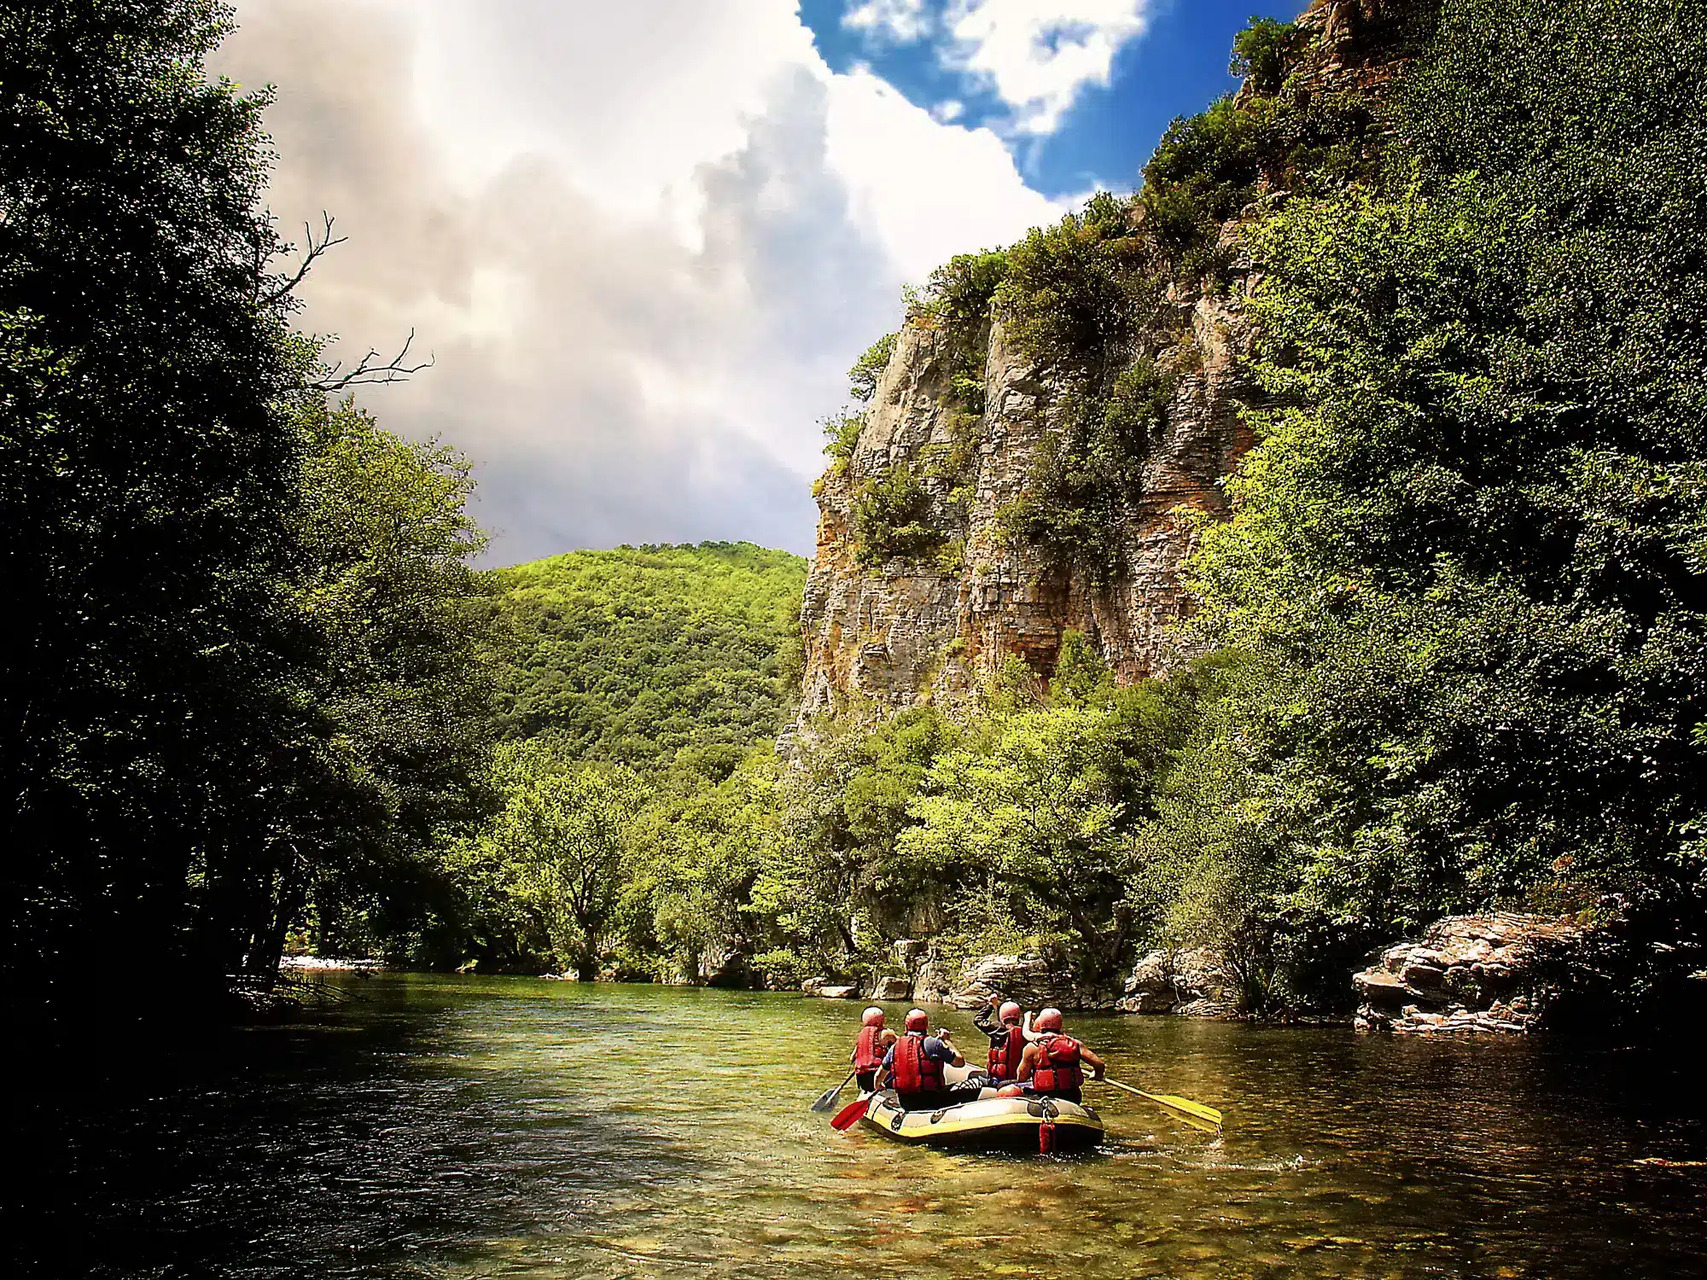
x: 1007, y: 1039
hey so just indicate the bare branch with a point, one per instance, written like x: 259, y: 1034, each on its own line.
x: 370, y: 371
x: 316, y: 249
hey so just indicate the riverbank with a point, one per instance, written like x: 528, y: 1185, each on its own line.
x: 1500, y: 973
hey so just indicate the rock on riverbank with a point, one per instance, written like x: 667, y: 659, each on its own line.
x: 1468, y: 975
x: 1030, y: 979
x: 1191, y: 983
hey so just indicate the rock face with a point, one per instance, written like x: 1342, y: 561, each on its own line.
x: 1031, y: 980
x: 925, y: 627
x: 1192, y: 983
x: 1469, y: 974
x: 891, y: 988
x: 912, y: 630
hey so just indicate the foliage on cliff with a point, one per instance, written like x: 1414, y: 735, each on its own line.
x: 1094, y: 301
x: 644, y: 654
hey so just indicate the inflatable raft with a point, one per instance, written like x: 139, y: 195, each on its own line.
x: 989, y: 1123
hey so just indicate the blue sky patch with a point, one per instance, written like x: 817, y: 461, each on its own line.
x: 1177, y: 66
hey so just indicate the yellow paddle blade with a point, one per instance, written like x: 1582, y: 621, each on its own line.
x: 1193, y: 1113
x: 1188, y: 1109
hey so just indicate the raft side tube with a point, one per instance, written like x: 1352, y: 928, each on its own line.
x: 988, y: 1124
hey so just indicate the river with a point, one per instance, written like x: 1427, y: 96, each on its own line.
x: 464, y: 1127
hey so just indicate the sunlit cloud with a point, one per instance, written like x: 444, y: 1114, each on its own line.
x: 643, y: 243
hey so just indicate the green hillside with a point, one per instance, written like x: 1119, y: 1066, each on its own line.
x: 642, y: 653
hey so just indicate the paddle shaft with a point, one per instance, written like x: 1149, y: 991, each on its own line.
x: 1183, y: 1107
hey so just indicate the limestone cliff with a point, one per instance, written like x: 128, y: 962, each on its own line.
x: 910, y: 629
x: 882, y: 634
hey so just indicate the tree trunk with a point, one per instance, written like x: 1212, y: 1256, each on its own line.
x: 268, y: 945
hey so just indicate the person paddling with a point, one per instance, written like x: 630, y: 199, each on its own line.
x: 869, y: 1050
x: 1007, y: 1039
x: 1053, y: 1065
x: 913, y: 1066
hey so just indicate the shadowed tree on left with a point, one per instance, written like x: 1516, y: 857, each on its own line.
x: 237, y: 615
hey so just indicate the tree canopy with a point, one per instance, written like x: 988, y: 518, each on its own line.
x: 646, y: 654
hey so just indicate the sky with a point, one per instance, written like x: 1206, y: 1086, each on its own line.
x: 643, y: 242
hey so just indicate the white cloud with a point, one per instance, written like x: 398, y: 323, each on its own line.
x: 643, y: 246
x: 948, y: 111
x: 903, y: 21
x: 928, y: 190
x: 1038, y: 54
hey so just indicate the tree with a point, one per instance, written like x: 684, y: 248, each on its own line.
x: 1470, y: 545
x: 1259, y: 53
x: 248, y: 666
x: 561, y: 837
x: 147, y: 463
x: 394, y: 678
x: 1036, y: 816
x: 698, y: 857
x: 862, y: 378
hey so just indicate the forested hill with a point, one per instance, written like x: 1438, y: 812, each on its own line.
x: 641, y: 653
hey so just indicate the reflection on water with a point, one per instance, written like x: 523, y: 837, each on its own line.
x: 466, y: 1127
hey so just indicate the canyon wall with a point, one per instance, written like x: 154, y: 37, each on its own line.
x: 881, y: 635
x: 910, y: 630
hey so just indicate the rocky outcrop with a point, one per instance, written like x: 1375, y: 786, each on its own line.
x: 1030, y: 980
x: 1192, y: 983
x: 930, y: 983
x: 891, y: 988
x: 913, y: 630
x: 926, y: 626
x: 1468, y: 974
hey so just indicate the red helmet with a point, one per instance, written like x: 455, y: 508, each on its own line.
x: 1048, y: 1020
x: 1010, y: 1012
x: 872, y: 1017
x: 918, y: 1020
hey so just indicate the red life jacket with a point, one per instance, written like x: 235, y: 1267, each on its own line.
x: 913, y: 1072
x: 1057, y: 1065
x: 1005, y: 1051
x: 868, y: 1049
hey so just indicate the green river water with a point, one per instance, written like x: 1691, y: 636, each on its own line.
x: 463, y: 1127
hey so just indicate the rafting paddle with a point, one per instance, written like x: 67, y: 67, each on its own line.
x: 851, y: 1114
x: 827, y: 1099
x: 1193, y: 1113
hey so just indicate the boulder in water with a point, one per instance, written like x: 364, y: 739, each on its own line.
x: 891, y: 988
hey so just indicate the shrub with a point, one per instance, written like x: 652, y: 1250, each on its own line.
x: 841, y: 434
x: 862, y: 378
x: 1260, y: 53
x: 1073, y: 291
x: 891, y: 517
